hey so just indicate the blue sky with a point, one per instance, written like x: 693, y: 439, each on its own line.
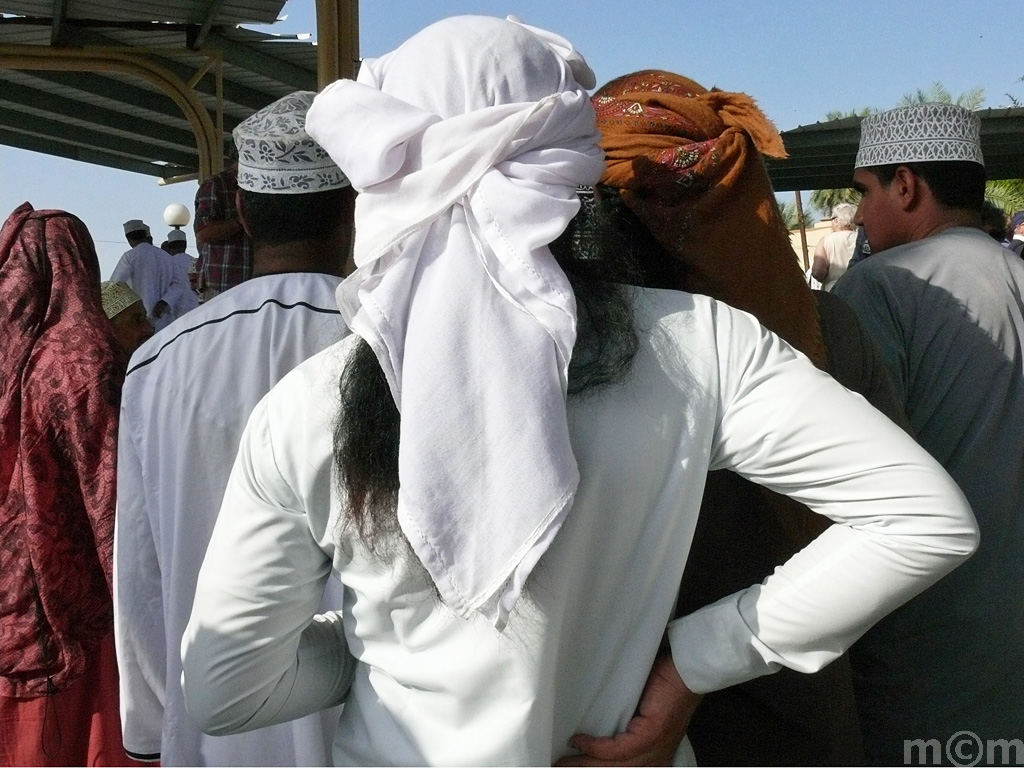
x: 799, y: 60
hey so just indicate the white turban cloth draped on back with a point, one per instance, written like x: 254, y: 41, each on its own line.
x: 466, y: 145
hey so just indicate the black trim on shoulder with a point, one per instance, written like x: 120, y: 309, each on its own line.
x: 148, y: 757
x: 254, y: 310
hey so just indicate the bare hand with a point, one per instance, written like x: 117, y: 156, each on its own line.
x: 655, y: 732
x: 161, y: 308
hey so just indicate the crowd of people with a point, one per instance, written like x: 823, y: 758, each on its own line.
x: 498, y: 424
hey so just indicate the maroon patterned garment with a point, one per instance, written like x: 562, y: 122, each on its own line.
x: 60, y: 386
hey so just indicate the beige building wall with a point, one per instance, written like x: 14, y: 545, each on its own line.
x: 813, y: 234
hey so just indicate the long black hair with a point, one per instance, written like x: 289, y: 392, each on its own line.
x: 604, y: 251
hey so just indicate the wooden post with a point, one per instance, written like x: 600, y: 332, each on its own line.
x: 337, y: 40
x: 803, y: 231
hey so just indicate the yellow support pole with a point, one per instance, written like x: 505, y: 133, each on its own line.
x: 337, y: 40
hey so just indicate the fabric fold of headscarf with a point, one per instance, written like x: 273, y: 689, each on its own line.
x: 688, y: 163
x: 466, y: 146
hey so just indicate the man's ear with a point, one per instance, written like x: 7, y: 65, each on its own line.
x: 907, y: 188
x: 241, y: 212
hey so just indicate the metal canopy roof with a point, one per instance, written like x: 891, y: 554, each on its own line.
x: 821, y: 156
x: 200, y: 12
x: 113, y: 116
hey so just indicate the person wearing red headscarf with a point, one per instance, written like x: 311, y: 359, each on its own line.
x: 687, y: 163
x: 60, y: 389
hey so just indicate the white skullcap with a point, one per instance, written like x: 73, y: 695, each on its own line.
x: 135, y: 225
x: 116, y: 298
x: 919, y: 134
x: 276, y: 156
x: 177, y: 236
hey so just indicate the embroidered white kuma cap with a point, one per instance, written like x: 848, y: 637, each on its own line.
x: 920, y: 133
x: 176, y: 235
x: 135, y: 225
x: 276, y: 156
x: 116, y: 297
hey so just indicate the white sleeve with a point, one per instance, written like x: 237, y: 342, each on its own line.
x: 138, y: 602
x: 254, y: 652
x: 186, y: 299
x: 123, y: 271
x: 178, y: 289
x: 902, y: 521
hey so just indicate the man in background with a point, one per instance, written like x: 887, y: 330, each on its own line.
x: 945, y: 304
x: 184, y: 268
x: 127, y: 315
x: 1016, y: 232
x: 187, y: 397
x: 149, y: 271
x: 225, y: 251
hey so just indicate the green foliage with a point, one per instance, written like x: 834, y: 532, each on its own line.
x: 938, y: 93
x: 824, y: 200
x: 1008, y: 194
x: 837, y: 114
x: 789, y: 216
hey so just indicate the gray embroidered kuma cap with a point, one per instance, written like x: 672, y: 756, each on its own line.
x: 920, y: 133
x: 177, y: 236
x: 276, y: 156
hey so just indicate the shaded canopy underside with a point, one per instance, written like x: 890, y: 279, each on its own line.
x: 117, y: 120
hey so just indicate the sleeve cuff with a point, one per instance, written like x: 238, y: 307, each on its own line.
x: 713, y: 647
x: 148, y: 757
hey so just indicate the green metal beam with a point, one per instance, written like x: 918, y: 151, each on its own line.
x: 116, y: 90
x: 108, y: 88
x: 254, y: 60
x: 250, y: 98
x: 98, y: 116
x: 203, y: 30
x: 85, y: 155
x: 39, y: 126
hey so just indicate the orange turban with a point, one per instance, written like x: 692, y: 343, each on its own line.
x: 688, y: 163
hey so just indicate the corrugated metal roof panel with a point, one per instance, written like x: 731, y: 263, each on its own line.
x: 181, y: 11
x: 70, y: 122
x: 120, y: 120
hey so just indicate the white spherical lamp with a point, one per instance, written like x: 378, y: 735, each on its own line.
x: 176, y: 215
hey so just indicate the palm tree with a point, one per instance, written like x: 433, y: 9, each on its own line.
x: 789, y: 216
x: 938, y: 93
x: 1008, y: 194
x: 825, y: 200
x: 837, y: 114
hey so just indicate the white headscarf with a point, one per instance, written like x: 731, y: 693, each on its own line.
x: 466, y: 145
